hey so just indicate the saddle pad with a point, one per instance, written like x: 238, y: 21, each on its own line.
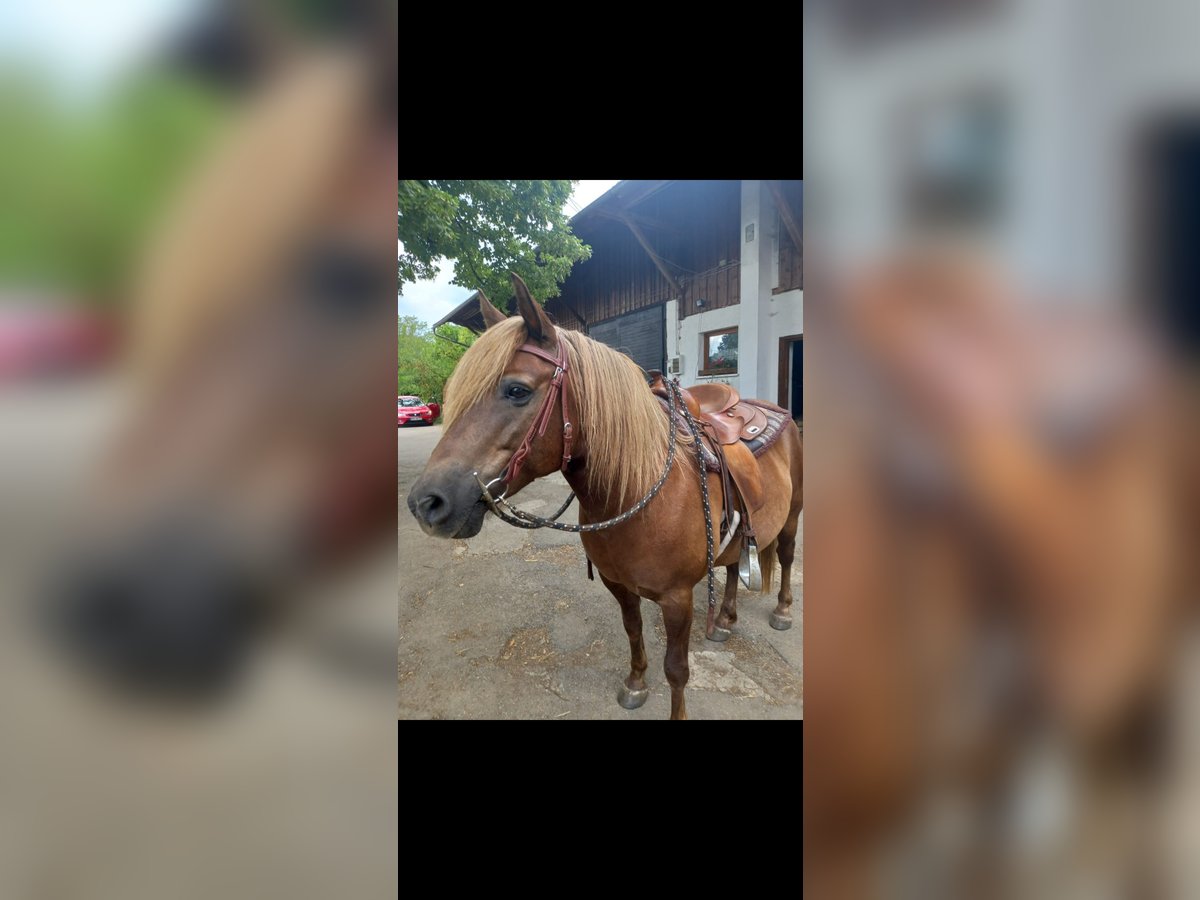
x: 776, y: 418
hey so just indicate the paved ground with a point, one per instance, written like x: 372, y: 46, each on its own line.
x: 288, y: 791
x: 508, y: 626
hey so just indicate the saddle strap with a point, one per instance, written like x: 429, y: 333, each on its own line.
x: 727, y: 493
x: 733, y: 494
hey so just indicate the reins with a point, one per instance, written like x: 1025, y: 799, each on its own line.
x: 522, y: 519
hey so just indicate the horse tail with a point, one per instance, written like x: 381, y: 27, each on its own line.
x: 766, y: 561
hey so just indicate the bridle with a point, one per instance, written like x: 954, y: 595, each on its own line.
x: 558, y: 385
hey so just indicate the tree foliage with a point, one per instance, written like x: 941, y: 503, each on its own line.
x: 82, y: 187
x: 488, y: 228
x: 424, y: 360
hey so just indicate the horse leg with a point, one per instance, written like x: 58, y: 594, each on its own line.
x: 785, y: 549
x: 677, y: 617
x: 728, y: 614
x: 633, y: 692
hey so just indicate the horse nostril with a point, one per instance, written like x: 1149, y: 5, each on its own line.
x: 433, y: 508
x: 157, y: 617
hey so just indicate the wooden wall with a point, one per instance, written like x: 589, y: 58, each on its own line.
x: 791, y: 258
x: 791, y: 268
x: 699, y: 241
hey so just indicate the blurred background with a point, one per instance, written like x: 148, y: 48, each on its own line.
x: 197, y: 633
x: 1001, y: 687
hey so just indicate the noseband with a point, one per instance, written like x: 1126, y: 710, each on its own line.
x: 558, y: 385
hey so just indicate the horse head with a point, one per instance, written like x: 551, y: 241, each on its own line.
x: 261, y: 357
x: 502, y: 418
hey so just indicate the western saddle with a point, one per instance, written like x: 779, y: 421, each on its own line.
x: 726, y: 422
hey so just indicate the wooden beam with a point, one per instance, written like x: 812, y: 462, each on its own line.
x: 658, y: 263
x: 785, y: 213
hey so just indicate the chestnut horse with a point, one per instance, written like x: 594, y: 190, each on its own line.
x: 617, y: 449
x: 249, y: 456
x: 998, y: 573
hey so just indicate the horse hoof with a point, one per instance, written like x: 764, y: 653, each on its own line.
x: 719, y: 634
x: 632, y: 699
x: 780, y: 623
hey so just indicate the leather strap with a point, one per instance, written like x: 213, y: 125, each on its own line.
x: 558, y: 385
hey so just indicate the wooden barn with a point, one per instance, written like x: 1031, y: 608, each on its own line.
x: 703, y: 279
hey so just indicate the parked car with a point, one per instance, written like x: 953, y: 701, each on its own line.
x: 411, y: 410
x: 47, y: 340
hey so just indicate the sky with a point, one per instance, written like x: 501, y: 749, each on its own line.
x: 87, y: 45
x: 430, y: 300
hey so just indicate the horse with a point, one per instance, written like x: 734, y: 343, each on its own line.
x: 249, y: 457
x: 996, y: 567
x: 610, y: 437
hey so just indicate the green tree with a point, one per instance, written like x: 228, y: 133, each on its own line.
x: 488, y: 228
x: 424, y: 360
x: 82, y: 187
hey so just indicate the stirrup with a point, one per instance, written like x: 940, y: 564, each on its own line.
x: 730, y: 531
x: 749, y: 571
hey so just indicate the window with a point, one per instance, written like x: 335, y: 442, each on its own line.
x: 952, y: 152
x: 720, y: 352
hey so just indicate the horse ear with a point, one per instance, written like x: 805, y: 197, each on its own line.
x: 539, y: 324
x: 491, y: 315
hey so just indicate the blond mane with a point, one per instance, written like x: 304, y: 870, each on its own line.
x: 620, y: 422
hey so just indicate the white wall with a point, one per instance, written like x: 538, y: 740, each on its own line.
x: 688, y: 340
x: 765, y: 316
x: 758, y: 274
x: 785, y: 317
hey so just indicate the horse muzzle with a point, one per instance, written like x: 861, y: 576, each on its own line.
x: 447, y: 507
x: 164, y: 614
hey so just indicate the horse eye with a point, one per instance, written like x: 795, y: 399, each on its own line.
x: 341, y: 281
x: 517, y: 392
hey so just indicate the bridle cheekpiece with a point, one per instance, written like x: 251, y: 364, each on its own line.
x: 558, y: 387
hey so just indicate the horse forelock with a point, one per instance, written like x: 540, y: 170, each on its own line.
x: 618, y: 420
x: 478, y: 372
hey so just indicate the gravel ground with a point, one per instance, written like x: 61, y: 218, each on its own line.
x: 288, y: 790
x: 507, y: 626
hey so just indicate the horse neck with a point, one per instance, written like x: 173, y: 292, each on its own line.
x: 577, y: 478
x: 600, y: 508
x: 597, y: 509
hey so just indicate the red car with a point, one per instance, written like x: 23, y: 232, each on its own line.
x: 41, y: 340
x: 414, y: 409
